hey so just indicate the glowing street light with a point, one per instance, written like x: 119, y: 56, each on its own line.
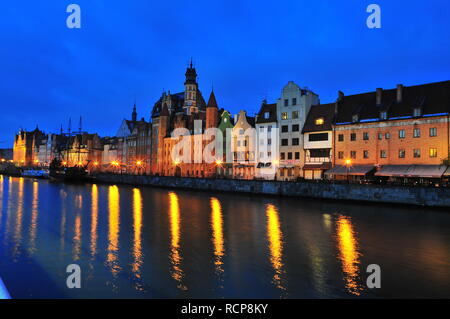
x: 176, y: 162
x: 219, y: 162
x: 139, y: 163
x: 348, y: 163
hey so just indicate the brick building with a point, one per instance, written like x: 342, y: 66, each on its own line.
x: 402, y: 132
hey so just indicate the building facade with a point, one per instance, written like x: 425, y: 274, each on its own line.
x: 402, y: 132
x: 292, y: 109
x: 267, y: 147
x: 318, y: 141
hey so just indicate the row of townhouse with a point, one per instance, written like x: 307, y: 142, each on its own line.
x: 401, y: 132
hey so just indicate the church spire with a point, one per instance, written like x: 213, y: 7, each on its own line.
x: 134, y: 114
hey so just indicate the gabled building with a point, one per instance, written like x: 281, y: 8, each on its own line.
x: 292, y: 109
x: 266, y: 142
x: 243, y: 137
x: 26, y: 147
x: 318, y: 141
x: 185, y: 112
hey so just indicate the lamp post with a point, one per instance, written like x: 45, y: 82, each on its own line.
x: 347, y: 164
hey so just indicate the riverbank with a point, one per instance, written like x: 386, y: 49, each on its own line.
x: 410, y: 195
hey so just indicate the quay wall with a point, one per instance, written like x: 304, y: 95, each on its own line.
x: 411, y: 195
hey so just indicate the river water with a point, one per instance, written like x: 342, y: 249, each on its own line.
x: 136, y: 242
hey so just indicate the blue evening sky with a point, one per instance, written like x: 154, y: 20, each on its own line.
x: 132, y: 50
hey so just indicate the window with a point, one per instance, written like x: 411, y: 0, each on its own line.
x: 295, y: 114
x: 387, y: 135
x: 289, y: 156
x: 401, y: 153
x: 297, y: 155
x: 261, y: 128
x: 241, y: 131
x: 416, y: 153
x: 353, y: 137
x: 261, y: 154
x: 269, y: 154
x: 416, y: 132
x: 417, y: 112
x: 269, y: 141
x: 365, y: 136
x: 319, y: 152
x: 433, y: 131
x: 261, y: 142
x: 269, y: 128
x: 284, y: 115
x: 383, y: 115
x: 284, y: 142
x: 366, y: 154
x: 340, y: 155
x: 433, y: 152
x: 380, y: 136
x: 294, y: 101
x: 355, y: 118
x: 284, y: 128
x: 353, y: 154
x: 266, y: 115
x: 316, y: 137
x: 286, y: 102
x: 295, y: 141
x: 238, y: 143
x: 320, y: 121
x: 401, y: 134
x: 383, y: 154
x: 282, y: 156
x: 295, y: 128
x: 341, y: 137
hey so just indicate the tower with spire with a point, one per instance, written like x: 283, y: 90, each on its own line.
x: 134, y: 113
x: 190, y: 90
x: 212, y: 111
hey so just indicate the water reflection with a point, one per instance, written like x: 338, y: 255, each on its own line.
x: 34, y: 217
x: 217, y: 227
x: 19, y: 219
x: 275, y: 238
x: 94, y: 220
x: 137, y: 225
x: 113, y: 233
x: 77, y: 238
x: 348, y: 254
x: 175, y: 257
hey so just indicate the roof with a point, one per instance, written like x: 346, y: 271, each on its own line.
x: 325, y: 111
x: 432, y: 98
x: 267, y: 108
x: 427, y: 171
x: 212, y: 101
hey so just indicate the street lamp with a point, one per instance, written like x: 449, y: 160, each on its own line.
x: 347, y: 164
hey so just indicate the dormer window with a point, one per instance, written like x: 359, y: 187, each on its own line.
x: 417, y: 112
x: 320, y: 121
x: 383, y: 115
x: 266, y: 115
x: 355, y: 118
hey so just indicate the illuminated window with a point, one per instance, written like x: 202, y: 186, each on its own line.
x: 284, y: 116
x: 433, y: 152
x: 320, y: 121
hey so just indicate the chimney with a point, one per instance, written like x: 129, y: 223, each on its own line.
x: 340, y: 95
x: 399, y: 93
x: 235, y: 118
x: 379, y: 93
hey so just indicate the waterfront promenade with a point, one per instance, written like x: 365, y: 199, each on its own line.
x: 410, y: 195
